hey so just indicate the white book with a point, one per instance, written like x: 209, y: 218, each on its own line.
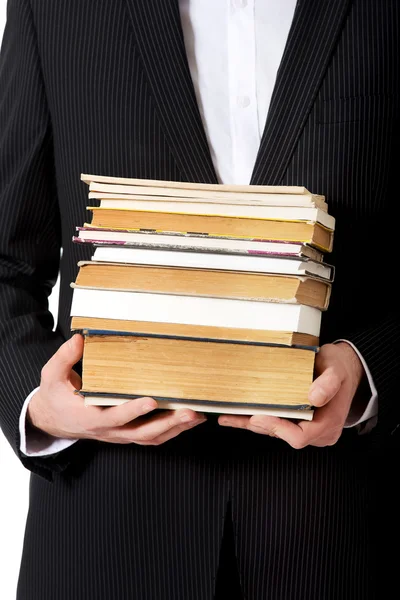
x: 220, y: 198
x: 193, y: 310
x: 199, y: 243
x: 233, y: 199
x: 210, y: 407
x: 276, y: 213
x: 228, y: 262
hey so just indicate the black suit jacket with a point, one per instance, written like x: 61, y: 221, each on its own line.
x: 104, y: 87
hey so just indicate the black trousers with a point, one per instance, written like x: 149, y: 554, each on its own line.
x: 386, y: 527
x: 317, y: 524
x: 228, y: 579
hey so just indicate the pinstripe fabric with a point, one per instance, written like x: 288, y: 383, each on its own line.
x: 348, y: 149
x: 158, y: 29
x: 287, y: 547
x: 316, y: 25
x: 104, y: 87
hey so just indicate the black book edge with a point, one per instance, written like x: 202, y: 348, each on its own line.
x: 296, y: 407
x: 101, y: 332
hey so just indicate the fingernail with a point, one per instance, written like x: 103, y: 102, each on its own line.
x: 197, y: 422
x: 260, y: 428
x: 258, y: 425
x: 186, y: 418
x: 317, y: 396
x: 147, y: 408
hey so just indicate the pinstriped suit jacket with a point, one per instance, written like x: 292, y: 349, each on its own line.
x: 104, y: 87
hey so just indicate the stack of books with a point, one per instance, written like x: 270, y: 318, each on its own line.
x: 204, y: 296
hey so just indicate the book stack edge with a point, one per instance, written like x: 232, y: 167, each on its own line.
x: 205, y: 296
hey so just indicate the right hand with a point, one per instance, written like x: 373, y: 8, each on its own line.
x: 58, y: 411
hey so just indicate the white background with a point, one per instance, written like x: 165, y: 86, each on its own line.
x: 14, y: 484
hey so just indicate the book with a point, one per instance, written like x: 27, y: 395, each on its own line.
x: 198, y: 371
x: 120, y: 327
x: 261, y: 193
x: 311, y: 233
x: 195, y: 243
x: 157, y: 195
x: 193, y: 310
x: 273, y: 213
x: 257, y: 264
x: 212, y: 407
x: 205, y: 283
x: 196, y: 288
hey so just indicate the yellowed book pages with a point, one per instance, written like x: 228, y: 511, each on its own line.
x: 251, y: 196
x: 272, y: 213
x: 286, y: 338
x: 240, y: 227
x: 262, y: 189
x: 198, y: 370
x: 205, y: 282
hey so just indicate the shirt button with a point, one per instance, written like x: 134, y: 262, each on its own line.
x: 243, y: 101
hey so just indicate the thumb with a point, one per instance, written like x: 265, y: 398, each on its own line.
x: 325, y: 387
x: 75, y: 380
x: 60, y: 365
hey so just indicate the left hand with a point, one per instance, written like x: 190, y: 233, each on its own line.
x: 340, y: 372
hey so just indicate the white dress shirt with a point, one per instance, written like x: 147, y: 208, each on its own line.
x: 234, y: 48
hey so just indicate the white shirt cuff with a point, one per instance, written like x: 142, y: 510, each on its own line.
x: 39, y: 443
x: 370, y: 413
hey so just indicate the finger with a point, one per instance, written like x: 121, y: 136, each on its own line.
x: 327, y: 385
x: 171, y: 433
x: 167, y: 420
x: 60, y: 364
x: 145, y: 432
x: 117, y: 416
x: 240, y: 421
x: 175, y: 431
x: 243, y: 423
x: 323, y: 430
x: 292, y: 433
x: 271, y: 426
x: 326, y: 426
x: 324, y: 358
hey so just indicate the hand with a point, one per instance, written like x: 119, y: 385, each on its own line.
x: 340, y: 372
x: 56, y: 410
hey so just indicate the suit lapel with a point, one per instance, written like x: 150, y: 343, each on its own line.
x: 313, y: 36
x: 158, y: 30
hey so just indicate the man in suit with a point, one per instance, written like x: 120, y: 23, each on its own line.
x: 131, y: 503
